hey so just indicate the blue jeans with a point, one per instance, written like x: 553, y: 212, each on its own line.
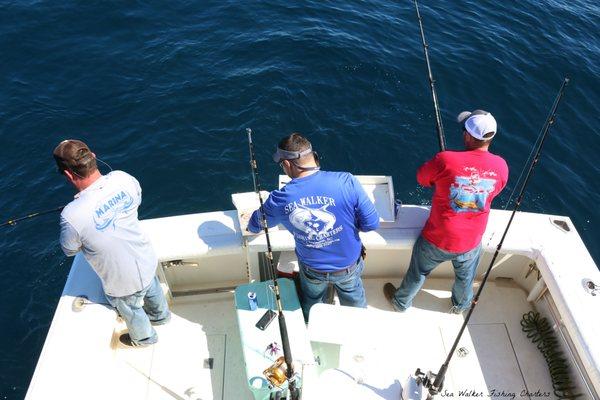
x: 348, y: 285
x: 425, y: 257
x: 138, y: 310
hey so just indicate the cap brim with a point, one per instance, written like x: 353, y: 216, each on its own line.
x: 276, y: 157
x: 463, y: 116
x: 281, y: 155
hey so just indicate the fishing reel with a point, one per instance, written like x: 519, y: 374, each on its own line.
x: 413, y: 388
x: 276, y: 374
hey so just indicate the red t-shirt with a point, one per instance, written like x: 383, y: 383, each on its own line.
x: 465, y: 183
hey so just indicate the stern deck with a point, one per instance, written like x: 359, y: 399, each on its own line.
x: 365, y: 354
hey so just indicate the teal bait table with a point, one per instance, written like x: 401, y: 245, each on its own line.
x: 255, y: 342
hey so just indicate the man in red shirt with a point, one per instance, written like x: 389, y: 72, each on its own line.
x: 465, y: 184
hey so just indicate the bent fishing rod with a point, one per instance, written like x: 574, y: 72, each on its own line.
x: 14, y: 221
x: 285, y: 341
x: 436, y: 105
x: 435, y: 382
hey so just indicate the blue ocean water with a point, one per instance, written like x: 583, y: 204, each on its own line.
x: 164, y: 90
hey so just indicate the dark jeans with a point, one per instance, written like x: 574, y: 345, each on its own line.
x: 425, y: 258
x: 348, y: 285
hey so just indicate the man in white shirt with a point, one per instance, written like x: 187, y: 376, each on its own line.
x: 102, y: 222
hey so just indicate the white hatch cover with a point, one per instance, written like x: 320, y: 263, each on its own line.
x: 380, y: 190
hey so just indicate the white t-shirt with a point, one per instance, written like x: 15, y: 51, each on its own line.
x: 102, y: 222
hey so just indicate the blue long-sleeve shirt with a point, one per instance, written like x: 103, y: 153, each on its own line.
x: 324, y: 211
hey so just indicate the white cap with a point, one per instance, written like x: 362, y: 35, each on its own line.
x: 478, y: 123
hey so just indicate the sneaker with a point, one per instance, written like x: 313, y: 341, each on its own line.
x: 456, y: 310
x: 126, y: 341
x: 389, y: 291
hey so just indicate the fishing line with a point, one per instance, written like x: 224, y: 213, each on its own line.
x: 527, y: 162
x: 537, y: 140
x: 531, y: 152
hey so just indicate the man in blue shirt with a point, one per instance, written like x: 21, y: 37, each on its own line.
x: 324, y: 211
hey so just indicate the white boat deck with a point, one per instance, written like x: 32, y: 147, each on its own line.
x: 366, y: 353
x: 379, y: 348
x: 388, y: 346
x: 203, y: 331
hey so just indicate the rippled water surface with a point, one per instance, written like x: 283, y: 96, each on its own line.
x: 164, y: 90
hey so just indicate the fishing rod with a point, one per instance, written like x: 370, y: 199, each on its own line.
x: 14, y: 221
x: 287, y: 353
x: 436, y: 106
x: 434, y: 382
